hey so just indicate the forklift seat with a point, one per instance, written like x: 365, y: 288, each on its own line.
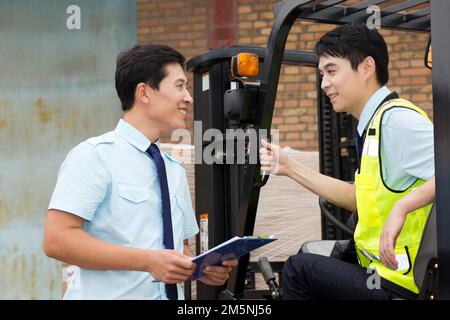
x: 338, y: 249
x: 425, y: 265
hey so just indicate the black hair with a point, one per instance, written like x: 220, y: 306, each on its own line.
x: 143, y: 63
x: 355, y: 42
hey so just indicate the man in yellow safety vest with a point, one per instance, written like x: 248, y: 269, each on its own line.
x: 394, y: 184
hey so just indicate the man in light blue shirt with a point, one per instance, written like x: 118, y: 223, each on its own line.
x: 105, y: 214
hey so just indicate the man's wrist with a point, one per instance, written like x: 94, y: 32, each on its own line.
x: 290, y: 165
x: 148, y: 258
x: 401, y: 208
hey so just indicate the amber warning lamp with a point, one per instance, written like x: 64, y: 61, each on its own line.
x: 428, y: 56
x: 429, y: 59
x: 245, y: 65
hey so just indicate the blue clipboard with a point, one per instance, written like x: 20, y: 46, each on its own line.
x: 232, y: 249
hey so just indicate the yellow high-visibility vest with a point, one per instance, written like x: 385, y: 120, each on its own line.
x: 375, y: 200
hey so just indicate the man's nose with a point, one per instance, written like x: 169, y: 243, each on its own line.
x: 325, y: 83
x: 188, y: 98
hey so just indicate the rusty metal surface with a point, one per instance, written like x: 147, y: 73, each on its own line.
x: 56, y: 89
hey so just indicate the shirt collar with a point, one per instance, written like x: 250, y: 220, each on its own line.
x: 133, y: 136
x: 370, y: 108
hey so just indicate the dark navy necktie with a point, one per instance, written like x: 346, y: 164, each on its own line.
x: 153, y: 151
x: 359, y: 143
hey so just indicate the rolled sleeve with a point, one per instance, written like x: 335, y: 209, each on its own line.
x: 82, y: 183
x: 412, y: 142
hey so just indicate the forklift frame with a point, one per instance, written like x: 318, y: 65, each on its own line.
x: 218, y: 200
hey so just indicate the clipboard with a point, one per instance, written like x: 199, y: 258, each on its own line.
x: 231, y: 249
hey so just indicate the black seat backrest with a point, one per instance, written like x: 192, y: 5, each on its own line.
x: 427, y: 252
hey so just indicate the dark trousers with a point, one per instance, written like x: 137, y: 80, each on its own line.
x: 309, y: 276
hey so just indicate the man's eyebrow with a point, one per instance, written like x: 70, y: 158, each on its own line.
x: 184, y: 81
x: 328, y: 65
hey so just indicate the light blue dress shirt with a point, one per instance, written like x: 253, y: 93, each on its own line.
x: 407, y: 143
x: 112, y: 183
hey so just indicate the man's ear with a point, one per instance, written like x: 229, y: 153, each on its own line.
x: 141, y: 93
x: 368, y: 67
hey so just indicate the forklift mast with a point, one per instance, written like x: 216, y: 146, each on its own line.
x: 228, y: 192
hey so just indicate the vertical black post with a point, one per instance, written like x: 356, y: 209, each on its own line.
x: 440, y: 37
x: 209, y: 179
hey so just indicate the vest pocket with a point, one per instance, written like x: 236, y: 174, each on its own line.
x: 368, y: 210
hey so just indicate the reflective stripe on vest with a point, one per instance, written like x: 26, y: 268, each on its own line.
x: 374, y: 202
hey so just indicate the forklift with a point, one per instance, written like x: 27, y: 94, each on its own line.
x: 228, y: 96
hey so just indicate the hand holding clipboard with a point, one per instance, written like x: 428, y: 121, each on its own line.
x: 231, y: 249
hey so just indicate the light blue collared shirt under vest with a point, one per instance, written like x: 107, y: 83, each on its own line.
x: 407, y: 142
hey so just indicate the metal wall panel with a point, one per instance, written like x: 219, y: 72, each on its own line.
x: 56, y: 89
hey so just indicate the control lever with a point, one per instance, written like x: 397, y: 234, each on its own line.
x: 269, y: 277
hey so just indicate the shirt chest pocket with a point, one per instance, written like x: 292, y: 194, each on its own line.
x: 137, y: 207
x: 133, y: 193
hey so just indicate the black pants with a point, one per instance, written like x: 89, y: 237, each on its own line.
x: 309, y: 276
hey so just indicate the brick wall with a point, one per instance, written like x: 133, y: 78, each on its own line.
x: 184, y: 24
x: 181, y: 24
